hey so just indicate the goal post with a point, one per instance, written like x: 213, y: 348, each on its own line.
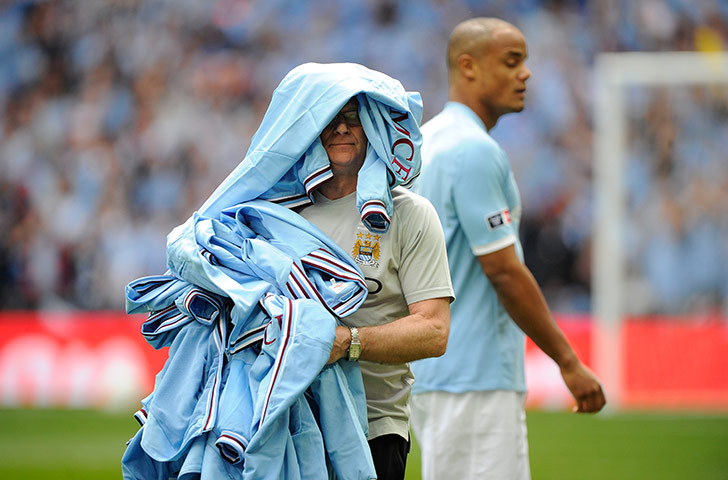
x: 613, y: 74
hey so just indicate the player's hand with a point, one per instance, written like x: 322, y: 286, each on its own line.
x: 585, y: 388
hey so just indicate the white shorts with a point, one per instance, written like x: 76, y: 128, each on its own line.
x: 472, y: 435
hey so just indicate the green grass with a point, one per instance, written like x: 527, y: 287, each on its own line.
x: 629, y: 446
x: 63, y: 444
x: 82, y: 444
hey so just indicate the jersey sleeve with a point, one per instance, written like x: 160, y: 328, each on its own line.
x: 480, y: 199
x: 423, y: 267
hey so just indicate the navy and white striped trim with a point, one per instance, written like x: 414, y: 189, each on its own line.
x: 196, y: 295
x: 163, y: 321
x: 219, y: 336
x: 409, y: 183
x: 374, y: 215
x: 248, y: 339
x: 144, y: 287
x: 292, y: 201
x: 211, y: 259
x: 318, y: 177
x: 288, y: 332
x: 141, y: 416
x: 232, y: 446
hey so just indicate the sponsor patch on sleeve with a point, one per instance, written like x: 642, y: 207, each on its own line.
x: 498, y: 219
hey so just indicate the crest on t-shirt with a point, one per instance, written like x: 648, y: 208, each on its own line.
x: 498, y: 219
x: 366, y: 249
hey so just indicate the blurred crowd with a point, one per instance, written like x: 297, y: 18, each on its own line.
x: 120, y: 117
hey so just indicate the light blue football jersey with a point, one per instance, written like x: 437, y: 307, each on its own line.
x: 468, y: 178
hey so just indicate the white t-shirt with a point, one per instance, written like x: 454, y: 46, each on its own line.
x: 407, y: 264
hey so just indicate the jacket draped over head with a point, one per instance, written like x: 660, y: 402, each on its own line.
x: 286, y: 159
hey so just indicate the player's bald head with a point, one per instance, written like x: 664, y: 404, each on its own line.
x: 472, y: 37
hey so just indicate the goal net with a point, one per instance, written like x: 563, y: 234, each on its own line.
x: 660, y: 240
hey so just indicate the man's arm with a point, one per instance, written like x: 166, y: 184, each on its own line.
x: 521, y: 296
x: 421, y: 334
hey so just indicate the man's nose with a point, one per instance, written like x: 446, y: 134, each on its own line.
x: 341, y: 125
x: 525, y: 73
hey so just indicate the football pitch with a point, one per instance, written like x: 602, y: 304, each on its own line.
x: 83, y: 444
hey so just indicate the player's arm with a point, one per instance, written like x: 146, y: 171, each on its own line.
x: 521, y: 296
x: 421, y: 334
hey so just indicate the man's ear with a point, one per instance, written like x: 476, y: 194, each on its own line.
x: 466, y: 66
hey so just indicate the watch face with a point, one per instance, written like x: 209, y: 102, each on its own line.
x: 354, y: 351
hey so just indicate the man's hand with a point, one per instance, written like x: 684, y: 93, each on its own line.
x: 585, y: 388
x: 340, y: 349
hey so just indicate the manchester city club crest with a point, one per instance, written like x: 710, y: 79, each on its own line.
x: 366, y: 249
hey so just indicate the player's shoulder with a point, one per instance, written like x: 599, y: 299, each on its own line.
x: 454, y: 132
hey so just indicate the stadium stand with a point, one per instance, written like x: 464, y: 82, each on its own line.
x: 120, y: 117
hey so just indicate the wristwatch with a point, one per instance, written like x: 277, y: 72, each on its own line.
x: 355, y: 346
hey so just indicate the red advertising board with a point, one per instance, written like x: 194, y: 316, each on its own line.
x: 100, y: 359
x: 75, y: 359
x: 667, y: 363
x: 676, y: 364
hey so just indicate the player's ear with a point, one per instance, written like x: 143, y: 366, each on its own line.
x: 466, y: 66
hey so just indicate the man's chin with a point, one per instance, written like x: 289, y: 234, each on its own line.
x: 516, y: 108
x: 346, y: 160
